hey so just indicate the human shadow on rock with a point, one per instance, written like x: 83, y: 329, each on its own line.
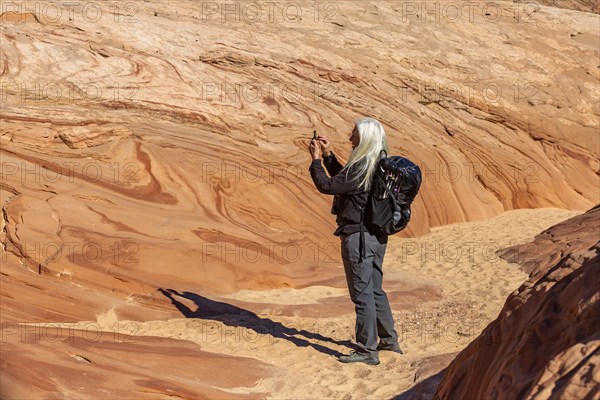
x: 234, y: 316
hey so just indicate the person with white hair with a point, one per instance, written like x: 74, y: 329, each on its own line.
x: 362, y: 251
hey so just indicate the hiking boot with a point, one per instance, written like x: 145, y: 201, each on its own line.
x: 394, y: 347
x: 359, y: 357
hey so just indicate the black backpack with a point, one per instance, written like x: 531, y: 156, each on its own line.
x: 395, y: 184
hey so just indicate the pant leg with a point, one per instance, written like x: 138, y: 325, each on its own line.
x: 359, y: 276
x: 385, y: 319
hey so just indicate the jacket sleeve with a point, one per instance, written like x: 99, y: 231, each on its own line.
x: 337, y: 184
x: 332, y: 165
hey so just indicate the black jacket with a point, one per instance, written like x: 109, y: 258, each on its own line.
x: 349, y: 201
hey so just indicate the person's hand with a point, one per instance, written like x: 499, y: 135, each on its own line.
x: 315, y: 149
x: 325, y: 145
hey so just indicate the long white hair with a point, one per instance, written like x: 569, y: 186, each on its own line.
x: 365, y: 156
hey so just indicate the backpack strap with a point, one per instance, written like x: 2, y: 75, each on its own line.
x: 362, y: 252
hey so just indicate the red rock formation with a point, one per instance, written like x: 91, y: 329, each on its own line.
x: 579, y: 5
x: 133, y: 166
x: 546, y: 341
x: 159, y: 147
x: 65, y: 363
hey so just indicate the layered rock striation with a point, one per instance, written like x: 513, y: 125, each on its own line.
x: 545, y: 344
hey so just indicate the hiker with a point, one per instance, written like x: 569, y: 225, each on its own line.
x: 362, y: 252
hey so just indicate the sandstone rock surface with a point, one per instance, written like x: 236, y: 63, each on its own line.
x: 545, y: 344
x: 161, y: 147
x: 147, y: 146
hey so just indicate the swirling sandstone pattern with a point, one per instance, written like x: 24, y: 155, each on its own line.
x: 169, y: 129
x: 163, y: 145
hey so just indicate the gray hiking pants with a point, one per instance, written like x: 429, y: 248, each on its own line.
x: 364, y: 277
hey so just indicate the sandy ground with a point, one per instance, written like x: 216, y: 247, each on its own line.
x: 460, y: 259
